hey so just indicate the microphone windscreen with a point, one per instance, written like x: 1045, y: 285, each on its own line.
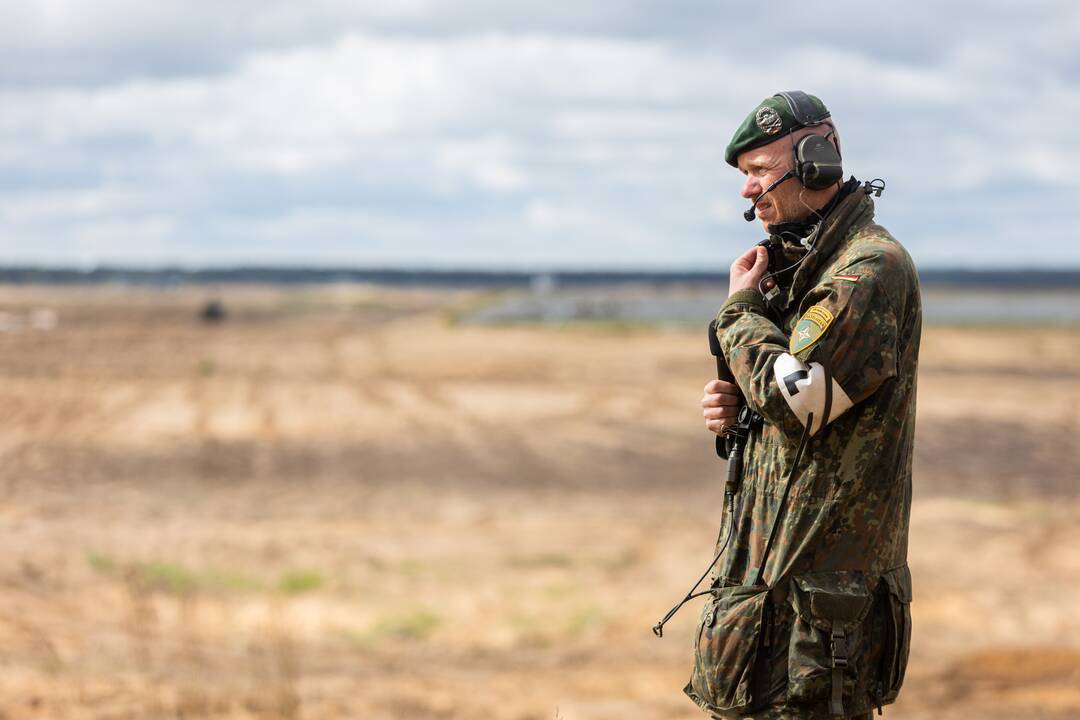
x: 749, y: 215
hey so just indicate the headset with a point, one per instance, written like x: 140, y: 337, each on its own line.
x: 816, y: 160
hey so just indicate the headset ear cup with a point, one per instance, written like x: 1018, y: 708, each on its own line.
x: 817, y: 163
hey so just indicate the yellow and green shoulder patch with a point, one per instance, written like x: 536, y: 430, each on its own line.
x: 811, y: 326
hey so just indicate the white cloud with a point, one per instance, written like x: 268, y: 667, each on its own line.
x: 490, y: 163
x: 374, y: 134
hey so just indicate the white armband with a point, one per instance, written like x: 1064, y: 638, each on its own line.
x: 805, y: 390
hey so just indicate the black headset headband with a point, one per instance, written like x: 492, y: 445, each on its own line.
x: 806, y: 114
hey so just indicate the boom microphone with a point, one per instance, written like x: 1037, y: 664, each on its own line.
x: 750, y: 214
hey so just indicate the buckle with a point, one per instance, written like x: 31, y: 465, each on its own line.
x: 839, y: 648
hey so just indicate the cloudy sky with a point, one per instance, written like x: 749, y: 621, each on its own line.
x: 512, y: 134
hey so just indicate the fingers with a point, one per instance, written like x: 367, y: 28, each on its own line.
x: 717, y: 400
x: 721, y: 405
x: 727, y: 412
x: 761, y: 260
x: 748, y: 259
x: 720, y: 394
x: 718, y: 426
x: 721, y: 386
x: 748, y: 270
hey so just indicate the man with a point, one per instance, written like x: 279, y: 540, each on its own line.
x: 808, y: 615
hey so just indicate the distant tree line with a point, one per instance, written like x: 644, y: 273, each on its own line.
x: 164, y: 277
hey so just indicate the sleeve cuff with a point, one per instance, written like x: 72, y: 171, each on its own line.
x: 749, y: 296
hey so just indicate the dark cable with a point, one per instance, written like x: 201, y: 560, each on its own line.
x: 658, y: 628
x: 795, y: 264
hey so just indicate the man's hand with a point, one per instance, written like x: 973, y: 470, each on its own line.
x: 748, y: 269
x: 721, y: 403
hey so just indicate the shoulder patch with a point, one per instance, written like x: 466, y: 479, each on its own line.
x: 811, y: 326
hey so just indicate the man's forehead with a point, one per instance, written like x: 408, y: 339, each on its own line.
x: 764, y: 155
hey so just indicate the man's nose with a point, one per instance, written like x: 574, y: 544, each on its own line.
x: 751, y: 188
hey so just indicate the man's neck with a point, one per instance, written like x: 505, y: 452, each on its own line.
x: 827, y: 196
x: 792, y: 233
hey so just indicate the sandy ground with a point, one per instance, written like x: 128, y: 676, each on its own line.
x: 340, y: 504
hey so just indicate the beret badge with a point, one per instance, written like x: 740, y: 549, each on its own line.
x: 768, y: 121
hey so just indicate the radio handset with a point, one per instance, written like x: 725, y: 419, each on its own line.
x: 772, y: 295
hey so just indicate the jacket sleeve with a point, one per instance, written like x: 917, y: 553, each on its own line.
x: 842, y: 349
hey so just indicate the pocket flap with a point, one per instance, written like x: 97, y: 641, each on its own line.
x: 822, y: 598
x: 899, y: 582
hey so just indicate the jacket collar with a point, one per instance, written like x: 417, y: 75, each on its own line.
x: 855, y: 210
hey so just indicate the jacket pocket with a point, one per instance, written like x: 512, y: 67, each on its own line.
x: 897, y: 645
x: 827, y: 636
x: 730, y: 634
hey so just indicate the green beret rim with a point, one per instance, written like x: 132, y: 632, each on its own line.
x: 734, y: 162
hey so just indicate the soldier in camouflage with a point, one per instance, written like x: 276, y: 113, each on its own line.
x: 808, y: 613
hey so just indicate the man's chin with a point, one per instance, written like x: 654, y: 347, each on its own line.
x: 770, y: 218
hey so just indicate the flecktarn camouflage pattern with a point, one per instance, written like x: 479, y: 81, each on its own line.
x: 826, y: 633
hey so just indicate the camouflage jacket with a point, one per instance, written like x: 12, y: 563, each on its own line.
x: 826, y: 633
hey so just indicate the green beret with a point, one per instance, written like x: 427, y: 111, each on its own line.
x: 773, y: 118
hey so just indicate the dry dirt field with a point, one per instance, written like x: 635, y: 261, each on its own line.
x: 340, y: 504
